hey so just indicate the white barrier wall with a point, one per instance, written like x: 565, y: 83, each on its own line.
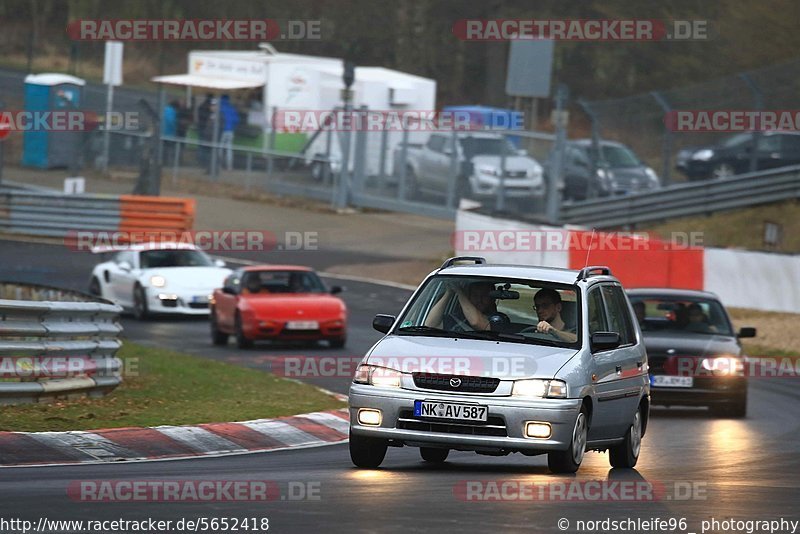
x: 755, y: 280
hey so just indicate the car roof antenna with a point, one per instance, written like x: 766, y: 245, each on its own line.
x: 591, y: 243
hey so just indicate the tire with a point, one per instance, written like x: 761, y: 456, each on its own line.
x: 367, y: 452
x: 242, y: 341
x: 722, y: 170
x: 626, y: 454
x: 217, y: 337
x: 140, y: 310
x: 569, y: 461
x: 433, y: 455
x: 94, y: 288
x: 735, y: 409
x: 412, y: 184
x: 337, y: 343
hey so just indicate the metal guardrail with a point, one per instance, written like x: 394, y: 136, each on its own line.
x: 683, y: 200
x: 56, y: 349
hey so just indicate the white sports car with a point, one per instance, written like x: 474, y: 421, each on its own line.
x: 158, y: 278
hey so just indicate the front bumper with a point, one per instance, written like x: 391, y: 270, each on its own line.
x: 485, y: 186
x: 266, y: 329
x: 705, y: 391
x: 512, y: 411
x: 182, y: 301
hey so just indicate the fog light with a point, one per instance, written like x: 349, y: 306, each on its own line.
x: 537, y: 430
x: 167, y: 296
x: 369, y: 417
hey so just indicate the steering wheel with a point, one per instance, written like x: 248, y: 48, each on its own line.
x: 498, y: 321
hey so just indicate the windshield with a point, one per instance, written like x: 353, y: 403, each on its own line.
x: 698, y: 316
x: 282, y: 282
x: 522, y: 311
x: 150, y: 259
x: 486, y: 146
x: 737, y: 140
x: 619, y: 156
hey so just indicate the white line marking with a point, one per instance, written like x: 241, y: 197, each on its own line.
x: 283, y: 432
x: 198, y: 439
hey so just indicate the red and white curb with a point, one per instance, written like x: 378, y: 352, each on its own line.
x: 172, y: 442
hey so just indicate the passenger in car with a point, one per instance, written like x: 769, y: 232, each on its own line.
x: 698, y: 321
x: 476, y: 305
x: 547, y: 304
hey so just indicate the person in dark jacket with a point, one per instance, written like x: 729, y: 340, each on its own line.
x: 203, y: 131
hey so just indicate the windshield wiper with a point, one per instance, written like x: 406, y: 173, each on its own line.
x: 425, y: 330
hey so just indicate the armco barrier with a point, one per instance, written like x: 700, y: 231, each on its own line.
x: 58, y: 215
x: 56, y: 349
x: 745, y: 279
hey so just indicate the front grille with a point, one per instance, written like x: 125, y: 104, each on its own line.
x: 469, y: 384
x: 198, y: 305
x: 516, y: 174
x: 494, y: 426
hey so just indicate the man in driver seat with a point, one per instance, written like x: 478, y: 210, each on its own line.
x: 476, y: 305
x: 547, y: 304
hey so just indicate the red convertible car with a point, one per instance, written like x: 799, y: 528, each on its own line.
x: 277, y: 302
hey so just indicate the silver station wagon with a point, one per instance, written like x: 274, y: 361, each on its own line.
x: 498, y: 359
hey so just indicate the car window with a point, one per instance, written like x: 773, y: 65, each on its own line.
x: 234, y: 281
x: 769, y: 143
x: 436, y: 143
x: 737, y: 140
x: 619, y: 156
x: 512, y: 307
x: 161, y: 258
x: 597, y: 312
x: 790, y: 143
x: 124, y: 255
x: 579, y: 157
x: 288, y: 281
x: 619, y: 319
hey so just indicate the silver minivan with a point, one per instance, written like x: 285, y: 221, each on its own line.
x: 498, y: 359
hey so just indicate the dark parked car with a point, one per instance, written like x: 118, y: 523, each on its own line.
x: 695, y: 356
x: 732, y: 156
x: 616, y: 170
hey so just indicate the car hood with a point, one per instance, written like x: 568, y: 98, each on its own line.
x: 513, y: 163
x: 688, y: 344
x: 309, y: 306
x: 189, y: 277
x: 472, y: 357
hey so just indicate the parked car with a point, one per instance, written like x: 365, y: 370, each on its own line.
x: 695, y: 356
x: 277, y: 302
x: 479, y: 157
x: 158, y: 278
x: 617, y: 170
x: 732, y: 156
x: 573, y: 378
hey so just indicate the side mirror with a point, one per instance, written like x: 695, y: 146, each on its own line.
x: 746, y: 331
x: 219, y: 263
x: 336, y: 290
x: 125, y: 266
x: 228, y: 290
x: 382, y: 323
x: 605, y: 340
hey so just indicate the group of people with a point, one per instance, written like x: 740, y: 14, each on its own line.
x: 479, y: 308
x: 178, y: 118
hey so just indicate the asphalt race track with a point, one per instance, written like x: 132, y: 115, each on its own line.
x: 702, y: 467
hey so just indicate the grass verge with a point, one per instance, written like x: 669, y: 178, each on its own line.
x: 162, y: 387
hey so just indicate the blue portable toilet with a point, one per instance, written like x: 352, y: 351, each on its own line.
x: 493, y: 118
x: 51, y: 92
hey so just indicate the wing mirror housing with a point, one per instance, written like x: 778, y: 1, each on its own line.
x: 605, y: 340
x: 382, y: 323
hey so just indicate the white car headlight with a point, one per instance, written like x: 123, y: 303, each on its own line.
x: 722, y: 365
x: 703, y: 155
x: 158, y: 281
x: 377, y: 376
x: 652, y: 176
x: 491, y: 171
x: 540, y: 388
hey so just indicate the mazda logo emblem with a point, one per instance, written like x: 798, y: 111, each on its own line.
x: 455, y: 382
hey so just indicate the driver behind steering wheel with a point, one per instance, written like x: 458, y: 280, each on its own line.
x: 547, y: 304
x: 476, y: 305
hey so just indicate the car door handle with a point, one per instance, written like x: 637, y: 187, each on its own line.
x: 639, y: 364
x: 619, y: 369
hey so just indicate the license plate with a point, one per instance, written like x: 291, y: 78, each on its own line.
x: 302, y: 325
x: 448, y: 410
x: 666, y: 381
x: 201, y: 299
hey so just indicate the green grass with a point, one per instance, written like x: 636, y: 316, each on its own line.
x: 762, y: 351
x: 176, y: 389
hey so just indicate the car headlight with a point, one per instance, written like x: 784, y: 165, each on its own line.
x: 535, y: 387
x: 158, y: 281
x: 377, y: 376
x: 703, y: 155
x: 491, y: 171
x: 722, y: 365
x: 652, y: 176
